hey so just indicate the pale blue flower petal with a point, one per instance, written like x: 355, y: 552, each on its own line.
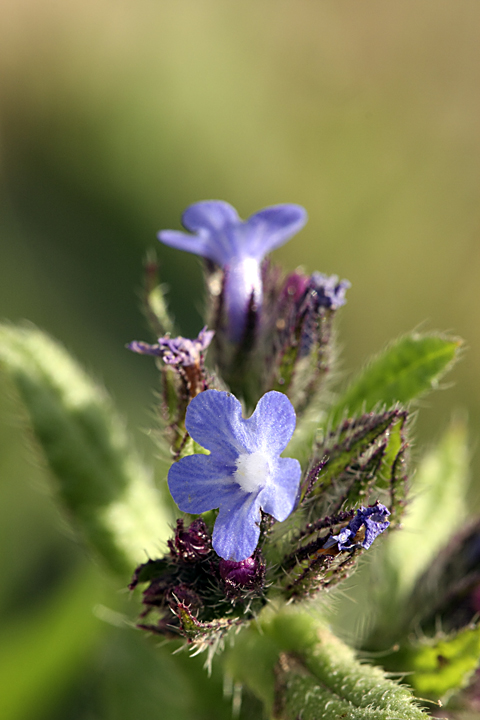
x: 272, y: 227
x: 237, y: 528
x: 272, y: 424
x: 214, y: 225
x: 215, y: 216
x: 199, y: 483
x: 214, y: 420
x: 184, y: 241
x: 280, y: 495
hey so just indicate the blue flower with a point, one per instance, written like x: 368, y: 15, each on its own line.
x: 176, y: 351
x: 244, y: 471
x: 373, y: 518
x: 236, y: 246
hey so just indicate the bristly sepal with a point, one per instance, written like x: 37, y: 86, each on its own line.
x: 327, y: 550
x: 353, y: 462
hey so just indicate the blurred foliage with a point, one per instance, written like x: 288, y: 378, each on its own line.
x: 114, y: 116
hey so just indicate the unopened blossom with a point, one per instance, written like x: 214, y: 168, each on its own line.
x: 373, y: 519
x: 238, y: 247
x: 176, y: 351
x: 243, y: 473
x: 244, y: 576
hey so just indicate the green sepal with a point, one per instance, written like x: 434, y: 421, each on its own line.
x: 318, y: 571
x: 100, y: 479
x: 343, y: 448
x: 394, y: 471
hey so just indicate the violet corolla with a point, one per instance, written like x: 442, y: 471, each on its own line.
x: 244, y: 472
x: 373, y: 519
x: 238, y: 247
x: 176, y: 351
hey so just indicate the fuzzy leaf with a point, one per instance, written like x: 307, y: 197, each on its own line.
x: 100, y: 479
x: 407, y: 369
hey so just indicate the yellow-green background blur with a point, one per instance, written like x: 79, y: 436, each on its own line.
x: 114, y: 116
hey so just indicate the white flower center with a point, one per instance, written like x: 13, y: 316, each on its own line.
x: 252, y: 471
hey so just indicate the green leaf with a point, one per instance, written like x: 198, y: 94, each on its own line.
x: 437, y: 668
x: 437, y: 509
x: 107, y: 490
x: 407, y: 369
x: 298, y: 668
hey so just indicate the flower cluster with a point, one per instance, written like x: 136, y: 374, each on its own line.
x: 262, y: 523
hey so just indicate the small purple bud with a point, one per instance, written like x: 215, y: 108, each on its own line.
x: 295, y: 286
x: 242, y: 576
x: 191, y: 544
x: 239, y: 573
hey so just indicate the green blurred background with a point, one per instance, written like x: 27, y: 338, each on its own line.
x: 114, y: 116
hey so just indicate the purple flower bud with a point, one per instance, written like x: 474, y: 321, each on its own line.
x: 242, y: 576
x: 238, y: 247
x: 176, y: 351
x: 373, y: 519
x: 191, y: 544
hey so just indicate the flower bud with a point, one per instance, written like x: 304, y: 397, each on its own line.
x: 192, y: 544
x: 246, y: 575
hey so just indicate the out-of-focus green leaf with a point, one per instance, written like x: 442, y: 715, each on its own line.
x: 108, y: 491
x: 41, y: 654
x: 139, y: 679
x: 406, y: 370
x: 439, y: 667
x: 437, y: 509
